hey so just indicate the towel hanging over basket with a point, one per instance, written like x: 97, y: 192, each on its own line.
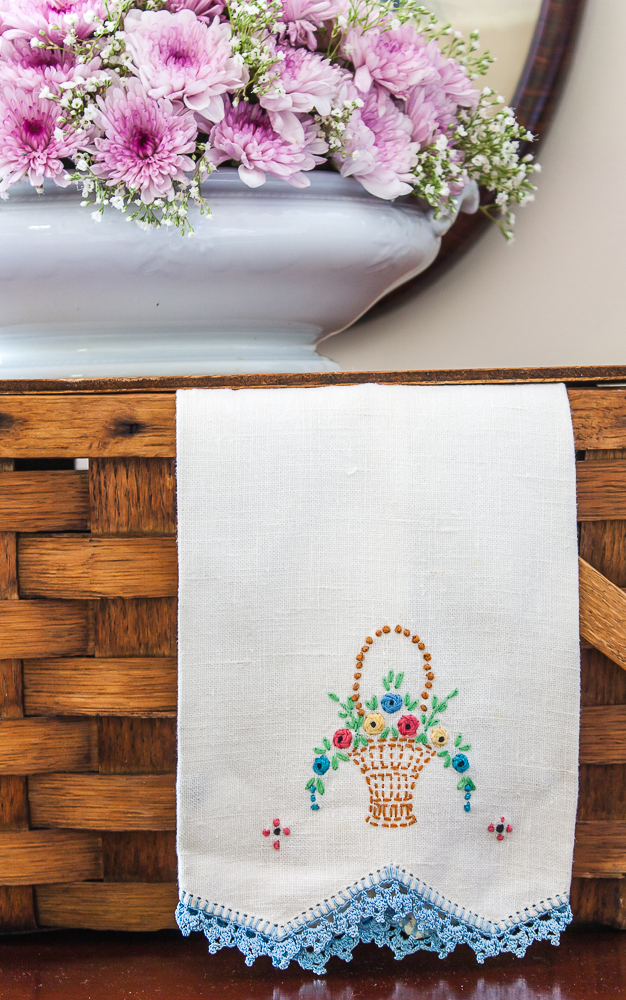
x: 378, y: 668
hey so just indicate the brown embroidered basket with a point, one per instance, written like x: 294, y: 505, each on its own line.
x: 391, y: 769
x: 88, y: 583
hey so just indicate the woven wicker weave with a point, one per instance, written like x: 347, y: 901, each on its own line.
x: 88, y: 645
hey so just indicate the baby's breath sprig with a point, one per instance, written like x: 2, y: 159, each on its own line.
x: 254, y: 24
x: 333, y: 126
x: 490, y: 139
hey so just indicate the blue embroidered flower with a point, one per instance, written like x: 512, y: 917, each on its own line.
x: 460, y: 763
x: 321, y: 764
x: 391, y: 703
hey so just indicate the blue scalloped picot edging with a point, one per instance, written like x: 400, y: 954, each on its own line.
x: 389, y: 908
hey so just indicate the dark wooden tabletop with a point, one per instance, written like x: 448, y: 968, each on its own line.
x: 87, y: 965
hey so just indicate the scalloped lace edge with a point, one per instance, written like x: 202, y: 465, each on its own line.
x: 388, y: 913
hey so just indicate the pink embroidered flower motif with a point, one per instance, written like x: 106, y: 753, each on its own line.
x: 246, y: 135
x: 396, y: 59
x: 31, y: 68
x: 378, y: 146
x: 304, y: 81
x: 55, y: 18
x: 277, y: 832
x: 145, y: 142
x: 302, y: 18
x: 178, y: 57
x: 500, y: 828
x: 31, y: 143
x: 342, y: 739
x: 205, y: 10
x: 407, y: 725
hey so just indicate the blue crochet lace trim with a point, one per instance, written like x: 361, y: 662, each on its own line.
x: 389, y: 908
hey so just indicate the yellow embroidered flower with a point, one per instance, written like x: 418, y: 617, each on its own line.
x: 439, y: 736
x: 373, y: 723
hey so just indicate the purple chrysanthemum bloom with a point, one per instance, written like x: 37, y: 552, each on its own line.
x: 178, y: 57
x: 303, y: 81
x: 31, y: 68
x: 396, y: 59
x: 31, y: 143
x: 303, y: 17
x: 205, y: 10
x: 378, y: 148
x: 28, y: 18
x: 145, y: 142
x: 246, y: 135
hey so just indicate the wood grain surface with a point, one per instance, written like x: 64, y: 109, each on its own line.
x: 140, y: 627
x: 584, y: 375
x: 601, y: 490
x: 44, y: 501
x: 136, y: 746
x: 603, y: 735
x: 103, y: 801
x: 37, y: 856
x: 106, y: 906
x: 32, y: 746
x: 139, y: 855
x: 600, y: 848
x: 133, y: 497
x: 602, y: 613
x: 134, y: 686
x: 72, y: 566
x: 85, y: 426
x: 45, y: 628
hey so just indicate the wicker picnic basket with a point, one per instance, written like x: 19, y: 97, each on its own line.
x: 88, y: 582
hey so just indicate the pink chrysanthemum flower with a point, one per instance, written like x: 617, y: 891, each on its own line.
x: 145, y: 142
x: 379, y: 151
x: 31, y: 143
x: 246, y: 135
x: 303, y: 17
x: 178, y: 57
x: 205, y: 10
x: 396, y: 59
x: 31, y: 68
x: 304, y: 81
x: 433, y: 107
x: 28, y: 18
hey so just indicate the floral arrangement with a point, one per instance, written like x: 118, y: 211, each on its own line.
x: 138, y: 101
x: 391, y: 749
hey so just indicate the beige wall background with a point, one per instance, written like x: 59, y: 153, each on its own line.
x: 557, y: 296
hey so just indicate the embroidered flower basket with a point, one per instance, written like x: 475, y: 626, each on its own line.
x: 391, y: 768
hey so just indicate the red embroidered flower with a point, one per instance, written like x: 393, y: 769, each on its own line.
x: 342, y: 739
x: 407, y: 725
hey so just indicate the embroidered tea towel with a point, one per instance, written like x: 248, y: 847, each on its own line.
x: 378, y: 668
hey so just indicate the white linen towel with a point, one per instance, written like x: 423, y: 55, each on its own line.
x: 378, y: 667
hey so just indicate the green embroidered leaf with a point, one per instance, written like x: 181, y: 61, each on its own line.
x: 421, y: 738
x: 320, y: 786
x: 394, y: 732
x: 390, y: 676
x: 435, y: 703
x: 318, y: 750
x: 468, y: 746
x: 373, y: 704
x: 310, y: 783
x: 334, y: 697
x: 386, y: 684
x: 447, y: 761
x: 384, y: 734
x: 327, y: 743
x: 399, y: 680
x: 342, y: 715
x: 335, y: 762
x: 351, y: 724
x: 347, y: 708
x: 407, y: 699
x: 458, y: 740
x: 423, y: 719
x: 411, y: 705
x: 343, y: 756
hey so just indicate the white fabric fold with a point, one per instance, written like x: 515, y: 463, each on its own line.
x: 309, y: 518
